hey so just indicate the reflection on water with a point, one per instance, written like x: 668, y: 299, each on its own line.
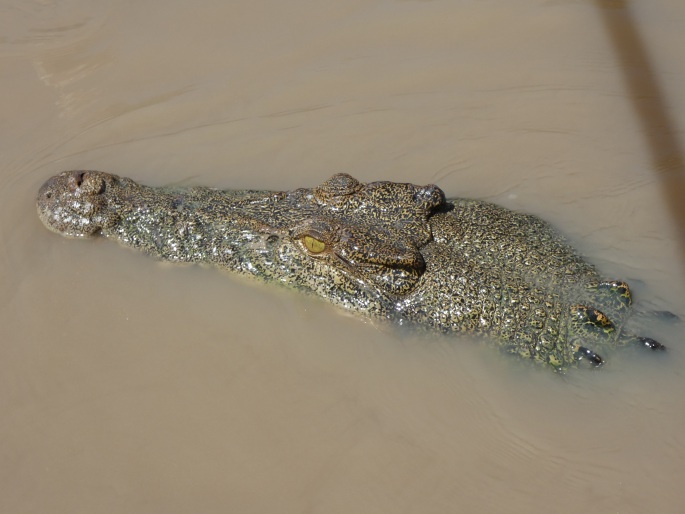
x: 649, y: 101
x: 128, y: 385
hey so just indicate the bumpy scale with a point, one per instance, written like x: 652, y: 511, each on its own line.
x: 388, y: 250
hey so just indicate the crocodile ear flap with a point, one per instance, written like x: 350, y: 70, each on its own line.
x: 396, y: 281
x: 392, y: 263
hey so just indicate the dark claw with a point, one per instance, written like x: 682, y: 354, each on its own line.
x: 651, y: 343
x: 595, y: 359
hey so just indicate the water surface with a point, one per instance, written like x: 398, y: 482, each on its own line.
x: 127, y: 385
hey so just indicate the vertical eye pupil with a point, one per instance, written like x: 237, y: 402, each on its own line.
x: 313, y: 244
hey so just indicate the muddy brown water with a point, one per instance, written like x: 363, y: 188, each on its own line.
x: 127, y: 385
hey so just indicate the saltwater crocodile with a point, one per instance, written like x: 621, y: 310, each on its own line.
x: 387, y: 250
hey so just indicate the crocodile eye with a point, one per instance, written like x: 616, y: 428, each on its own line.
x: 313, y: 245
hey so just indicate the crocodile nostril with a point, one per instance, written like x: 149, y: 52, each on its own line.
x: 79, y: 179
x: 48, y: 195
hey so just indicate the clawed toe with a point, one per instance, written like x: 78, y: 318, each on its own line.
x: 651, y: 344
x: 585, y: 353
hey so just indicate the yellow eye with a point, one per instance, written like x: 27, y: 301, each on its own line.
x: 313, y: 245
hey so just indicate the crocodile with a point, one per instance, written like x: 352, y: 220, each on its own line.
x: 393, y: 251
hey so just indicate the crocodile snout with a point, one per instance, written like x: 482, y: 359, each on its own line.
x: 72, y: 203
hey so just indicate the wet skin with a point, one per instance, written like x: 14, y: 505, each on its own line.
x: 386, y: 250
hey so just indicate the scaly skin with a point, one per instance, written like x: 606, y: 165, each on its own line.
x: 394, y: 251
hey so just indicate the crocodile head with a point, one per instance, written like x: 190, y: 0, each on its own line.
x: 343, y: 239
x: 375, y: 230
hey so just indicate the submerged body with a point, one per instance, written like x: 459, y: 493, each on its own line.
x: 394, y: 251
